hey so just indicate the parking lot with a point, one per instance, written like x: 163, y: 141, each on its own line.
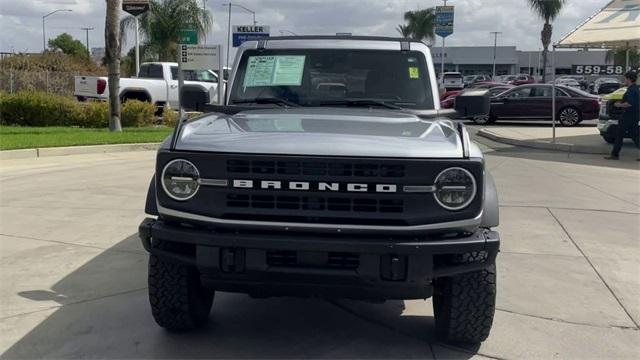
x: 74, y: 272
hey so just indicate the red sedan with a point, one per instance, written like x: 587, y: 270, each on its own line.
x: 533, y: 102
x: 523, y: 79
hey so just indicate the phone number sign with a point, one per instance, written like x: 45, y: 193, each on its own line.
x: 597, y: 69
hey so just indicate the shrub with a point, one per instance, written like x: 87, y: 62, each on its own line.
x: 31, y: 108
x: 169, y: 117
x: 95, y: 114
x: 137, y: 113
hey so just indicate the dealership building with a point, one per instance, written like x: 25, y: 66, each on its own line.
x: 471, y: 60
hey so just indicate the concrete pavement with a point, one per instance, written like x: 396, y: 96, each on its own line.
x: 73, y: 273
x: 584, y: 138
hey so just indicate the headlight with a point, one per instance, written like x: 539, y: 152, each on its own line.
x: 180, y: 179
x: 455, y: 188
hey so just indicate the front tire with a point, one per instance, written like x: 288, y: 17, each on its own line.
x: 483, y: 119
x: 464, y: 304
x: 569, y: 116
x: 178, y: 299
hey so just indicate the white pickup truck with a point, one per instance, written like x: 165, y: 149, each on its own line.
x: 157, y: 83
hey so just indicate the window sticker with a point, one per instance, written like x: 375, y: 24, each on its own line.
x: 414, y: 73
x: 283, y: 70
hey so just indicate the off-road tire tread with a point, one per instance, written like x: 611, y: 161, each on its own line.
x: 464, y: 305
x: 178, y: 301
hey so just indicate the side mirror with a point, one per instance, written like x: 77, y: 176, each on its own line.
x: 473, y: 102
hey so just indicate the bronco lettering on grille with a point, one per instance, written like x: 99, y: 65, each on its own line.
x: 309, y: 186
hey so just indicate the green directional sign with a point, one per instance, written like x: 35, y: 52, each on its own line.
x: 188, y: 36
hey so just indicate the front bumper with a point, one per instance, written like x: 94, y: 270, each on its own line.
x: 347, y: 266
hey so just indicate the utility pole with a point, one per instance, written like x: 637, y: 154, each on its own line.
x: 87, y: 31
x: 495, y: 47
x: 228, y: 41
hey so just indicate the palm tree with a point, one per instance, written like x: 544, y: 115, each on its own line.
x: 548, y: 10
x: 160, y: 26
x: 404, y: 30
x: 421, y: 24
x: 112, y: 56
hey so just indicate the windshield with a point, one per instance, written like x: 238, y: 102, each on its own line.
x: 331, y: 77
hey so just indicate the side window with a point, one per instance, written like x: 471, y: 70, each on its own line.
x: 151, y: 71
x: 561, y: 93
x: 520, y: 93
x: 174, y: 73
x: 541, y: 91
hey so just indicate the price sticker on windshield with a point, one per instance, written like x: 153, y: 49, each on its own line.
x: 414, y: 73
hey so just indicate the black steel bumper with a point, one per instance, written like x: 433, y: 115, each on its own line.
x: 273, y: 264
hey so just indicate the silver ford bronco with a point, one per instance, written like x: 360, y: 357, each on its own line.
x: 330, y: 171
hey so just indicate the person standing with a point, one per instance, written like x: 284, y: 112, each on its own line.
x: 631, y: 116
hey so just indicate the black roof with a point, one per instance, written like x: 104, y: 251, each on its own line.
x: 341, y: 37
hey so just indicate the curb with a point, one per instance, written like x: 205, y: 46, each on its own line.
x: 537, y: 144
x: 75, y: 150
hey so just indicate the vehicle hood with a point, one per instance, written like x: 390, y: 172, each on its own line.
x: 616, y: 95
x: 323, y: 131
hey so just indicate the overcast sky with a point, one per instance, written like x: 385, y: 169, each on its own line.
x: 21, y: 20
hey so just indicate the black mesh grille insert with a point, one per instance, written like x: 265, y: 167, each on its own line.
x: 314, y: 168
x: 315, y: 203
x: 331, y: 260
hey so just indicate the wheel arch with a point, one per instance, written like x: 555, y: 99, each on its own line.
x: 491, y: 208
x: 151, y: 205
x: 135, y: 94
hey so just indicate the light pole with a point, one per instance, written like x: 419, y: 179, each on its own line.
x: 229, y: 25
x: 442, y: 54
x: 282, y: 32
x: 87, y: 30
x: 495, y: 45
x: 44, y: 36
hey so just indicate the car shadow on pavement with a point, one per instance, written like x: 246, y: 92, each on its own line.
x: 119, y: 324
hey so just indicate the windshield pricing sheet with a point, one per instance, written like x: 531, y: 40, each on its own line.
x: 274, y: 71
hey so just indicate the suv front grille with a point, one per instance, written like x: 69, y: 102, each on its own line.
x: 314, y: 168
x: 331, y: 260
x: 315, y: 203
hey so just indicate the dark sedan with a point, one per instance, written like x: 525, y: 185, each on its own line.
x: 534, y: 102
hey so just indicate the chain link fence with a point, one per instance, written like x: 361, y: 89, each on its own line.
x: 60, y: 83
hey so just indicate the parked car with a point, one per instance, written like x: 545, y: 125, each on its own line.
x: 602, y: 86
x: 488, y: 85
x: 534, y: 102
x: 156, y: 83
x: 609, y: 117
x: 451, y: 80
x: 449, y: 101
x: 583, y: 84
x: 522, y: 79
x: 471, y: 80
x: 567, y: 82
x: 505, y: 79
x: 281, y: 192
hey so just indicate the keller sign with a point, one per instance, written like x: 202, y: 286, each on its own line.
x: 135, y: 7
x: 244, y: 33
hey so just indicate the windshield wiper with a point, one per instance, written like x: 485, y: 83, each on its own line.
x: 361, y: 102
x: 267, y: 100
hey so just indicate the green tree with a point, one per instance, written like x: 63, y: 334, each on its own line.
x: 404, y: 30
x: 619, y: 57
x: 421, y: 24
x: 160, y: 26
x: 68, y: 45
x: 547, y: 10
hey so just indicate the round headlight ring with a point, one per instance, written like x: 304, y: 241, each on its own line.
x: 195, y: 177
x: 468, y: 201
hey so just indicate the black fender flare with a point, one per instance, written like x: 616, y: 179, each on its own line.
x: 491, y: 208
x: 151, y: 206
